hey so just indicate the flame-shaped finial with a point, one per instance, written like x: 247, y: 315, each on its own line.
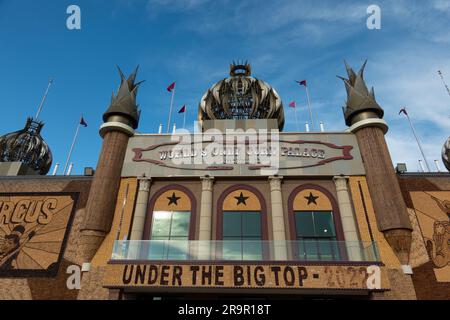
x: 359, y: 98
x: 124, y: 103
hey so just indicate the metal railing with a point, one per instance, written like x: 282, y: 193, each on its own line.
x: 245, y: 250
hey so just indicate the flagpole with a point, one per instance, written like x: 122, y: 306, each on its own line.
x: 50, y: 81
x: 296, y: 119
x: 309, y: 106
x: 418, y: 142
x: 443, y: 81
x: 170, y: 112
x: 184, y: 118
x: 71, y: 148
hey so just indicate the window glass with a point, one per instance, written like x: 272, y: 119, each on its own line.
x: 173, y: 226
x: 170, y: 225
x: 180, y: 224
x: 251, y: 224
x: 161, y: 224
x: 232, y: 224
x: 304, y: 224
x: 307, y: 249
x: 232, y: 249
x: 251, y: 250
x: 316, y: 236
x: 324, y: 225
x: 242, y: 235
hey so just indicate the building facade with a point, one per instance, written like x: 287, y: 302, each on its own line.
x: 238, y: 208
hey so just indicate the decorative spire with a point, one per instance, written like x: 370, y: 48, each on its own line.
x: 359, y: 98
x: 124, y: 103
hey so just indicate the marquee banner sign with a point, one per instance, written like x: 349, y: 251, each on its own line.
x: 281, y: 276
x: 33, y: 231
x: 285, y: 154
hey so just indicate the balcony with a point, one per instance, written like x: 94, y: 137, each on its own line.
x: 314, y: 251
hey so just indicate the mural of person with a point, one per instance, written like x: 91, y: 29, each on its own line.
x: 444, y: 205
x: 10, y: 247
x: 439, y: 248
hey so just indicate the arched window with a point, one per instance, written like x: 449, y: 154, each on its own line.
x: 242, y: 223
x: 315, y: 224
x: 170, y: 223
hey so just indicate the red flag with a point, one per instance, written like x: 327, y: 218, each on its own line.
x: 302, y: 83
x: 403, y: 110
x: 171, y: 87
x: 183, y: 109
x: 292, y: 104
x: 82, y: 122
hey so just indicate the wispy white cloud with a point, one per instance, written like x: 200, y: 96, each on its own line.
x: 442, y: 5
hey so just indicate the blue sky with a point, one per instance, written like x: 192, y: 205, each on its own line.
x: 193, y: 42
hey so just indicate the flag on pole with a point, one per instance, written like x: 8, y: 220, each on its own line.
x: 303, y: 83
x: 69, y: 156
x: 171, y: 87
x: 183, y: 111
x: 294, y: 105
x: 403, y: 110
x: 83, y: 122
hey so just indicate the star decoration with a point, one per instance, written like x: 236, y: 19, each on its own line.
x: 241, y: 199
x: 311, y: 199
x: 173, y: 199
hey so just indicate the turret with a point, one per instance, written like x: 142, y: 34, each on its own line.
x: 28, y: 148
x: 241, y: 97
x: 365, y: 118
x: 120, y: 121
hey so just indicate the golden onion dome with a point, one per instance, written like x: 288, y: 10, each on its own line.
x: 27, y: 146
x: 241, y: 97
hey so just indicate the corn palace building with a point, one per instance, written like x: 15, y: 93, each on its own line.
x: 237, y: 209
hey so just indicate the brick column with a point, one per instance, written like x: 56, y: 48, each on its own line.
x: 390, y: 208
x: 102, y: 199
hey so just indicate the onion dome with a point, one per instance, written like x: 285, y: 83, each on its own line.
x: 27, y: 146
x: 241, y: 97
x: 446, y: 154
x: 123, y: 105
x: 360, y: 101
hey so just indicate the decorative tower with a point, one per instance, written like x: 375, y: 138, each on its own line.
x: 120, y: 121
x: 242, y: 99
x: 365, y: 118
x: 27, y: 148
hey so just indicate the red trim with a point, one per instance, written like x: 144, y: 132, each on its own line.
x: 192, y: 222
x: 219, y: 222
